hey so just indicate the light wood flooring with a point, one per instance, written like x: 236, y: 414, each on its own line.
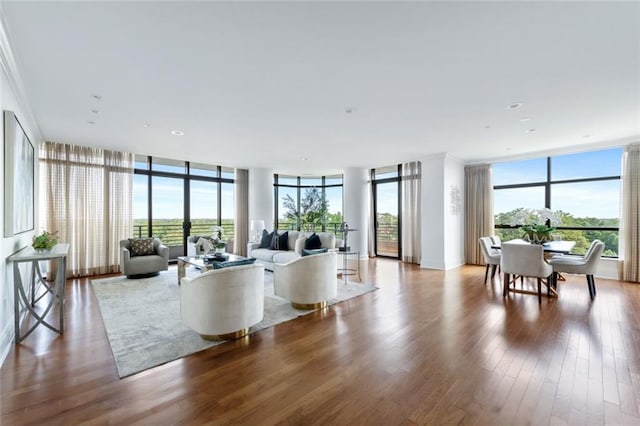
x: 428, y: 347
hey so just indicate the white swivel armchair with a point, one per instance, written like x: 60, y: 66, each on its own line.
x: 222, y: 304
x: 523, y: 259
x: 586, y: 265
x: 308, y: 282
x: 491, y: 257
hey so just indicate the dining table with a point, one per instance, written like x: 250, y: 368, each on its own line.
x: 550, y: 249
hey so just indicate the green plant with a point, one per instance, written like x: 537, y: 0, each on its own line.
x: 537, y: 233
x: 45, y: 240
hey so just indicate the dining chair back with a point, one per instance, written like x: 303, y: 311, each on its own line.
x: 586, y: 265
x: 491, y: 257
x: 525, y: 260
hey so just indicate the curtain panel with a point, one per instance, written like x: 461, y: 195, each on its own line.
x: 87, y: 197
x: 478, y: 216
x: 630, y: 223
x: 241, y: 222
x: 411, y: 216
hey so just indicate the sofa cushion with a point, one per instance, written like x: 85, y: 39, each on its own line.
x: 313, y: 242
x: 141, y: 246
x: 284, y: 256
x: 266, y: 239
x: 327, y: 240
x: 265, y: 255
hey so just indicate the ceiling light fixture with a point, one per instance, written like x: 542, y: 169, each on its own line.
x: 586, y: 136
x: 487, y: 127
x: 531, y: 130
x: 349, y: 110
x: 147, y: 125
x: 514, y: 105
x: 95, y: 111
x: 91, y: 123
x: 96, y: 96
x: 524, y: 119
x: 177, y: 132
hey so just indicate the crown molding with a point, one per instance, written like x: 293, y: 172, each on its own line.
x: 10, y: 68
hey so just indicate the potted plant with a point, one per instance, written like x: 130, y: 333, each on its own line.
x: 45, y: 241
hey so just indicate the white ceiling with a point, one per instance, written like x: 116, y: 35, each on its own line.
x: 267, y: 84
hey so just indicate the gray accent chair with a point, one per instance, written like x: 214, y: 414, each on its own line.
x: 143, y: 266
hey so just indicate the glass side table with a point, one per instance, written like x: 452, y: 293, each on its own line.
x: 345, y: 271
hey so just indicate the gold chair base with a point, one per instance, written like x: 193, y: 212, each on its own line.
x: 309, y: 306
x: 228, y: 336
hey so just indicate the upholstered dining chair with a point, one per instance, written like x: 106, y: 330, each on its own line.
x: 526, y: 260
x: 586, y: 265
x: 491, y: 257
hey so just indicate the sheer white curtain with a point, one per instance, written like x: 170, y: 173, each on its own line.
x: 411, y: 229
x: 630, y: 223
x: 478, y: 212
x: 87, y: 197
x: 241, y: 222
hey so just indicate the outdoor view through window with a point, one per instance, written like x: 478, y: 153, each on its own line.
x: 577, y: 194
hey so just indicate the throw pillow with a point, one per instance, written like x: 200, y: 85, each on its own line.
x: 265, y: 241
x: 280, y: 242
x: 141, y: 246
x: 307, y: 252
x: 300, y: 245
x: 313, y: 242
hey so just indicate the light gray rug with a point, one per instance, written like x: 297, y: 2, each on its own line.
x: 142, y: 318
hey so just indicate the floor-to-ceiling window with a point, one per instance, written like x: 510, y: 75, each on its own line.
x: 386, y: 206
x: 580, y: 194
x: 174, y: 199
x: 308, y: 203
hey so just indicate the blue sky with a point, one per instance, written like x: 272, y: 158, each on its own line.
x: 592, y: 199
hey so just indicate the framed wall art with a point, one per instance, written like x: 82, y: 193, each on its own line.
x: 18, y: 178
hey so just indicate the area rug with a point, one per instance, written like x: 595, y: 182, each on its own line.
x: 142, y: 318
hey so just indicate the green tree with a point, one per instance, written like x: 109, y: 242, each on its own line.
x: 313, y: 208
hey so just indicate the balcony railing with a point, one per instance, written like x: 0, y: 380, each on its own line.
x: 171, y: 234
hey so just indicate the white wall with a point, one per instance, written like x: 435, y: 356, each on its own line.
x: 356, y: 208
x: 11, y: 244
x: 11, y: 99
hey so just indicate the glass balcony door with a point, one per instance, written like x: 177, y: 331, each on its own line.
x: 387, y: 213
x: 167, y: 213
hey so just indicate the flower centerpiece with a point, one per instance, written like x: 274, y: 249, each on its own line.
x: 45, y: 241
x: 536, y: 224
x: 217, y: 238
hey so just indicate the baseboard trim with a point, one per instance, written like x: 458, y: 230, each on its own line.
x: 6, y: 342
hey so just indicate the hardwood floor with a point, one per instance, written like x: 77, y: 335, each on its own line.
x: 429, y: 347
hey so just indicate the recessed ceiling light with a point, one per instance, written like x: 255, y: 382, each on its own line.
x: 586, y: 136
x: 147, y: 125
x: 305, y: 159
x: 531, y: 130
x: 177, y: 132
x: 487, y: 127
x: 524, y: 119
x: 349, y: 110
x: 96, y: 96
x: 514, y: 105
x: 95, y: 111
x: 91, y: 123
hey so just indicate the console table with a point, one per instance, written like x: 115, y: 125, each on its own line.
x: 26, y: 297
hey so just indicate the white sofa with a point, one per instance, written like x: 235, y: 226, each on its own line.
x: 307, y: 282
x: 295, y: 246
x: 222, y: 304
